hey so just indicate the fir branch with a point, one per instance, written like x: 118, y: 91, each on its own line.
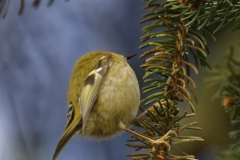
x: 176, y: 33
x: 226, y: 78
x: 5, y: 3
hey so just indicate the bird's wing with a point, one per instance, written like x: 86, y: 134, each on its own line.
x: 88, y: 95
x: 89, y: 91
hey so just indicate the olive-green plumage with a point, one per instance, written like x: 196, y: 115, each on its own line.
x: 103, y: 94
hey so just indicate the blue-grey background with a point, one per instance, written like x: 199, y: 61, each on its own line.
x: 37, y: 53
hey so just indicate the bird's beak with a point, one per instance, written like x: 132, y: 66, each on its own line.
x: 129, y: 57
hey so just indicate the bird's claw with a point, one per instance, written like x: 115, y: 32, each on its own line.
x: 164, y: 139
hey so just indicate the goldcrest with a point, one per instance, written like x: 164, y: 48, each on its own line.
x: 103, y: 97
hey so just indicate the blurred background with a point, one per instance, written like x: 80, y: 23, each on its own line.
x: 37, y: 53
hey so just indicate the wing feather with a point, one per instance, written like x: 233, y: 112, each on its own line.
x: 89, y: 92
x: 68, y: 133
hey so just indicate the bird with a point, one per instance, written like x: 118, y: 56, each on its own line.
x: 103, y: 97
